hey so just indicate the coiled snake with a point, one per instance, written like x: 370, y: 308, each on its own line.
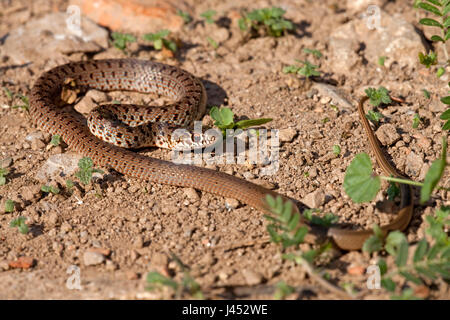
x: 190, y: 96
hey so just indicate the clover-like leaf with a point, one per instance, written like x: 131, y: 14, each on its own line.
x: 359, y: 182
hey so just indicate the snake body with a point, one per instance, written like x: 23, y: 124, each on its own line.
x: 189, y: 93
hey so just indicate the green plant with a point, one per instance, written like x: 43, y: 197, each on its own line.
x: 212, y: 42
x: 160, y: 40
x: 416, y: 121
x: 224, y: 120
x: 86, y: 170
x: 286, y: 227
x: 441, y: 9
x: 336, y: 150
x: 184, y: 15
x: 314, y: 52
x: 426, y: 93
x: 20, y: 224
x: 155, y: 281
x: 282, y: 291
x: 326, y: 221
x: 284, y: 221
x: 25, y: 102
x: 374, y: 116
x: 381, y: 60
x: 429, y: 59
x: 208, y: 15
x: 121, y: 40
x: 446, y: 114
x: 362, y: 185
x: 430, y: 260
x: 56, y: 140
x: 269, y: 19
x: 48, y: 189
x: 3, y: 173
x: 378, y: 96
x: 9, y: 206
x: 307, y: 70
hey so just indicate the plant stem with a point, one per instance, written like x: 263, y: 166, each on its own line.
x: 401, y: 180
x: 410, y: 182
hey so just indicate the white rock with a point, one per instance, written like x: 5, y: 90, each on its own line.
x: 314, y: 199
x: 93, y: 258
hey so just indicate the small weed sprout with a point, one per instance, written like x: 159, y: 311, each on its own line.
x: 156, y: 280
x: 20, y: 224
x: 336, y: 150
x: 3, y: 173
x: 50, y: 189
x: 184, y: 15
x: 56, y: 140
x: 86, y: 170
x: 160, y: 39
x: 208, y: 16
x: 416, y: 121
x: 268, y: 19
x: 9, y: 206
x: 121, y: 40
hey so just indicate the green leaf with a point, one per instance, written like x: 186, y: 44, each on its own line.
x: 429, y: 59
x: 85, y: 163
x: 434, y: 174
x: 421, y: 250
x: 383, y: 266
x: 314, y: 52
x: 243, y: 124
x: 378, y: 96
x: 394, y: 242
x: 436, y: 38
x: 23, y: 228
x: 435, y: 2
x: 447, y: 22
x: 410, y: 277
x: 416, y: 121
x: 446, y: 126
x: 158, y: 44
x: 186, y: 17
x: 428, y: 7
x: 223, y: 116
x: 426, y: 272
x: 388, y: 284
x: 56, y: 140
x: 172, y: 46
x: 157, y: 278
x: 445, y: 115
x: 426, y: 93
x: 447, y: 35
x: 9, y: 205
x: 402, y: 254
x: 393, y: 191
x: 336, y: 150
x: 446, y: 9
x: 430, y: 22
x: 359, y: 183
x: 372, y: 244
x: 440, y: 71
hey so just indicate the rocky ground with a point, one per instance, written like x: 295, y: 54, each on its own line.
x: 119, y: 228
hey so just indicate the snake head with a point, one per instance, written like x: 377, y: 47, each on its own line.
x: 181, y: 139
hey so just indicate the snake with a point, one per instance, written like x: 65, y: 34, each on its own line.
x: 189, y: 96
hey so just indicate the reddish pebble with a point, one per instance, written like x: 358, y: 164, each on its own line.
x: 22, y: 263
